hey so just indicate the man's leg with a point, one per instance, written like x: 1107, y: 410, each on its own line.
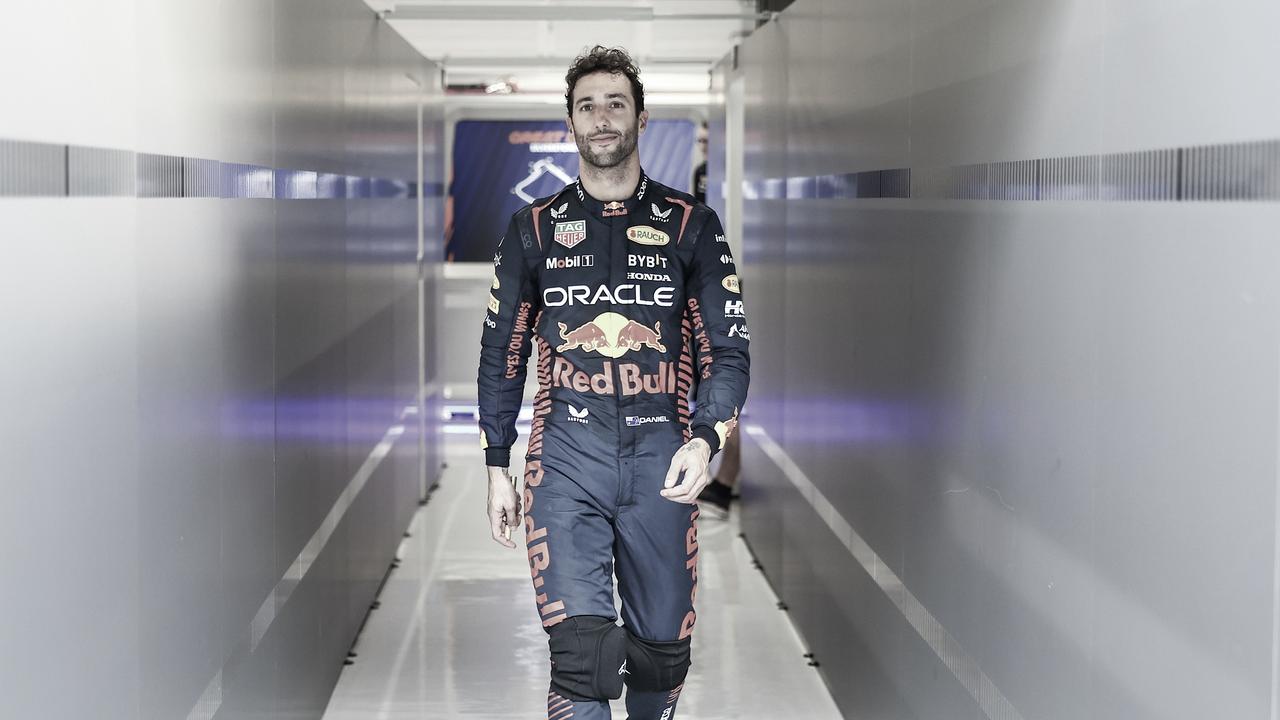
x: 657, y: 567
x: 570, y: 544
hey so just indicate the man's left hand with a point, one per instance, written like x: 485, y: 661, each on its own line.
x: 692, y: 460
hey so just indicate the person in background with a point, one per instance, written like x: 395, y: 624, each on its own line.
x: 700, y: 172
x: 714, y: 500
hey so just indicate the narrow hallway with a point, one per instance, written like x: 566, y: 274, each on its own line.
x: 457, y: 635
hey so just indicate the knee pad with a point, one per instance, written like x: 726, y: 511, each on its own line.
x: 588, y: 657
x: 656, y: 666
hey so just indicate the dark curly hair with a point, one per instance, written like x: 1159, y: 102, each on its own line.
x: 603, y: 59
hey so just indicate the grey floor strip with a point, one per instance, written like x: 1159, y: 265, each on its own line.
x: 962, y: 665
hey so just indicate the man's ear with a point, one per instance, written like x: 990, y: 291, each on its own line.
x: 644, y: 119
x: 568, y: 123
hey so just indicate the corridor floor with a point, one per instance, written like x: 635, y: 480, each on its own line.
x: 457, y: 634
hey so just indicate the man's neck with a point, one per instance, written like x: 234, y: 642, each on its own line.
x: 612, y: 183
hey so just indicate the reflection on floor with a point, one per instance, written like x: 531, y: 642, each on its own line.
x: 457, y: 634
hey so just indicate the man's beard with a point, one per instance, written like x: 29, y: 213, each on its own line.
x: 608, y: 158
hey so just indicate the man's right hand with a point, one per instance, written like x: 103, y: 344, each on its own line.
x: 504, y: 506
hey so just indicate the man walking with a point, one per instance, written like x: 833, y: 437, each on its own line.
x: 629, y: 290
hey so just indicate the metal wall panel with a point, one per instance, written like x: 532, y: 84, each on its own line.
x: 764, y: 274
x: 1011, y: 449
x: 213, y: 413
x: 69, y: 521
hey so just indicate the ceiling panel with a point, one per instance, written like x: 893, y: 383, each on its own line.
x: 531, y: 44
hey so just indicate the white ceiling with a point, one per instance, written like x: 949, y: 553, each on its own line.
x: 532, y: 43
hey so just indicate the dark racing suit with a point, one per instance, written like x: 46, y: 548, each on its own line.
x: 632, y: 304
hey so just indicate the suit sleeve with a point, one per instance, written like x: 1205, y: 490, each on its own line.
x: 720, y: 336
x: 505, y: 344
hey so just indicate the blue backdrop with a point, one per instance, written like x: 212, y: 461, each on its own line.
x: 499, y: 166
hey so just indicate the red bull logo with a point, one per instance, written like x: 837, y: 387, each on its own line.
x: 691, y: 551
x: 634, y: 336
x: 552, y: 611
x: 631, y: 378
x: 588, y: 337
x: 611, y: 335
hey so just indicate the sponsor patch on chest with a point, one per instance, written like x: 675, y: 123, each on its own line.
x: 645, y: 235
x: 571, y: 233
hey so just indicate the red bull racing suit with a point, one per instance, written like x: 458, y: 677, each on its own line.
x: 633, y: 305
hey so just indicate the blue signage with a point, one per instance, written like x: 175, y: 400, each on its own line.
x: 500, y: 166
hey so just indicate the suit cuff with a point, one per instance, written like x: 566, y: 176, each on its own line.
x: 708, y: 434
x: 497, y: 457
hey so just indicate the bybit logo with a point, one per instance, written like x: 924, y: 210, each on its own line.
x: 652, y: 262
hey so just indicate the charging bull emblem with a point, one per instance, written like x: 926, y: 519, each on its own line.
x: 611, y: 335
x: 588, y: 337
x: 634, y: 336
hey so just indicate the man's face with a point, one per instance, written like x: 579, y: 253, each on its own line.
x: 603, y: 121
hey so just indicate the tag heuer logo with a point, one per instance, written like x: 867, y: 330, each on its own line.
x: 558, y: 213
x: 645, y: 235
x: 569, y: 234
